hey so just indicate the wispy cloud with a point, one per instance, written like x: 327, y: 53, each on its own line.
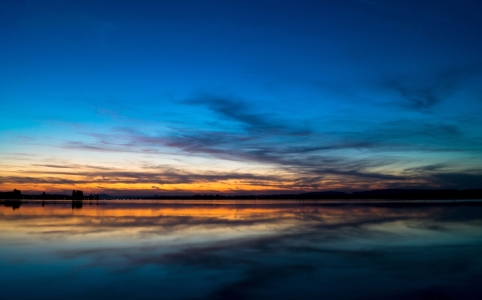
x: 295, y: 157
x: 422, y: 92
x: 315, y: 159
x: 237, y: 110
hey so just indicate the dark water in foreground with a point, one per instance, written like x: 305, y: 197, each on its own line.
x: 241, y: 250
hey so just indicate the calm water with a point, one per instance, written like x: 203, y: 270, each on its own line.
x: 240, y: 250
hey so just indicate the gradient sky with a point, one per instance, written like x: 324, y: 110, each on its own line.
x: 156, y: 97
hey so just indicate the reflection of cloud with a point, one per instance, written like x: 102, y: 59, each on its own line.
x: 312, y: 247
x: 311, y: 223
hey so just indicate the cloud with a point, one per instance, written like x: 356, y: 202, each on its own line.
x: 421, y: 92
x: 307, y: 158
x: 315, y: 158
x: 36, y: 180
x: 52, y: 166
x: 156, y: 176
x: 443, y: 175
x: 238, y: 110
x: 459, y: 180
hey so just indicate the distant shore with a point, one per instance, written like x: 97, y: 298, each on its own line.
x: 386, y: 194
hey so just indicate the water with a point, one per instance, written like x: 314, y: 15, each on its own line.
x: 241, y: 250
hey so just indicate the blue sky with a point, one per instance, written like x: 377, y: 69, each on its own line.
x: 215, y: 96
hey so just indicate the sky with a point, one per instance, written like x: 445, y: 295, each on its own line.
x: 182, y: 97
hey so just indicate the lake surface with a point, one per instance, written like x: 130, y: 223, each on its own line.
x: 241, y: 250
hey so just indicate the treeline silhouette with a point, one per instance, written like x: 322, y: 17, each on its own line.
x: 76, y: 195
x: 396, y: 194
x: 16, y: 194
x: 14, y: 199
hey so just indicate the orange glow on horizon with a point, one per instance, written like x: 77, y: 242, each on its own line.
x: 226, y: 187
x: 132, y: 180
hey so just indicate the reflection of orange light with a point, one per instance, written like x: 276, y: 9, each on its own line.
x: 158, y: 209
x: 32, y: 218
x: 116, y: 219
x: 109, y: 210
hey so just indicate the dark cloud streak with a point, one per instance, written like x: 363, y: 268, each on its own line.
x: 424, y: 92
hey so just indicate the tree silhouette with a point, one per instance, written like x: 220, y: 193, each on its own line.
x: 77, y: 195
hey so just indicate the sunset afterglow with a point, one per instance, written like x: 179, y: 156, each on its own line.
x: 239, y: 97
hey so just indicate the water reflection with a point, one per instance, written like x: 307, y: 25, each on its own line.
x: 241, y: 250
